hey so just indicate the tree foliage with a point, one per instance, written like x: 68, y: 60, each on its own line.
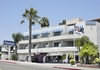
x: 88, y: 51
x: 17, y: 37
x: 44, y: 22
x: 79, y: 42
x: 63, y: 22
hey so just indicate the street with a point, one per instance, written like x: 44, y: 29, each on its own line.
x: 11, y: 66
x: 17, y: 65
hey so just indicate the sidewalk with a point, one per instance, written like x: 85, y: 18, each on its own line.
x: 53, y: 65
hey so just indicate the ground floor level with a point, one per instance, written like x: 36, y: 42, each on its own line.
x: 54, y: 57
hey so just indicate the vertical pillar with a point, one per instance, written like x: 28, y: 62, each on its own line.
x: 9, y: 54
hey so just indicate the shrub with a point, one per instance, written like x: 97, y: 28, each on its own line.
x: 72, y: 62
x: 64, y: 57
x: 97, y: 60
x: 14, y: 57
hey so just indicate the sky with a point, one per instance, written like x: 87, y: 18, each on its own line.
x: 56, y: 10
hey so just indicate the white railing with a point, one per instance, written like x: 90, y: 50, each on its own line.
x: 50, y: 49
x: 53, y: 38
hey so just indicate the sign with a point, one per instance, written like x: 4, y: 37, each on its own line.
x: 10, y: 43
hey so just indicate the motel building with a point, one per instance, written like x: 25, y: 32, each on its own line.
x: 50, y: 44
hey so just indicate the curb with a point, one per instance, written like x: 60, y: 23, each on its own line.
x: 67, y: 68
x: 8, y: 61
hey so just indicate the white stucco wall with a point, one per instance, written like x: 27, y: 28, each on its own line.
x: 98, y: 35
x: 90, y: 31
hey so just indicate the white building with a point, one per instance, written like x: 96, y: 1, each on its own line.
x: 50, y: 43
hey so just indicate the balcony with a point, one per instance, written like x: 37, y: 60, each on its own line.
x: 50, y: 49
x: 53, y: 38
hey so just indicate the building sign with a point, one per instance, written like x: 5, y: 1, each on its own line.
x: 9, y: 43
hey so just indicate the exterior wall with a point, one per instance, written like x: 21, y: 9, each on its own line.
x: 22, y: 57
x: 4, y: 56
x: 98, y: 35
x: 91, y: 32
x: 4, y: 52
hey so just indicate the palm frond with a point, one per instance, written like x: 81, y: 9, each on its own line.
x: 33, y: 12
x: 17, y: 37
x: 44, y: 22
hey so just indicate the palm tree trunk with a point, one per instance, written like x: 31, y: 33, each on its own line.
x: 30, y: 33
x: 16, y: 49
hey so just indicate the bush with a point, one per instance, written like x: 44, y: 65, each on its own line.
x: 72, y: 62
x: 14, y: 57
x: 63, y: 57
x: 97, y: 60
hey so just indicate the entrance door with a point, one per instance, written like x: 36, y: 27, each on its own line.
x: 76, y: 58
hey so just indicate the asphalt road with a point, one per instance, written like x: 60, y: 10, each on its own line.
x: 11, y: 66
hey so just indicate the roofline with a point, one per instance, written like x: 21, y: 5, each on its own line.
x: 97, y: 20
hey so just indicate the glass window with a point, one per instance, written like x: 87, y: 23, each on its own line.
x: 26, y: 37
x: 56, y: 44
x: 35, y: 36
x: 71, y: 32
x: 46, y: 45
x: 45, y: 34
x: 57, y: 33
x: 34, y: 46
x: 23, y: 46
x: 68, y: 43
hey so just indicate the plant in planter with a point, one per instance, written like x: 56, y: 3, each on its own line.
x: 72, y: 62
x: 14, y: 57
x: 97, y: 60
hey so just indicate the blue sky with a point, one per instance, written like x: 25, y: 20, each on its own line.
x: 56, y: 10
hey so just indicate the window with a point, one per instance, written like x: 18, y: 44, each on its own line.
x: 46, y: 45
x: 26, y: 37
x: 35, y: 36
x: 56, y: 44
x: 45, y: 34
x: 34, y: 46
x: 71, y: 32
x: 23, y: 46
x: 57, y: 33
x: 68, y: 43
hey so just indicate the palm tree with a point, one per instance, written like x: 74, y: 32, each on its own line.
x: 17, y: 37
x: 32, y: 17
x: 44, y: 22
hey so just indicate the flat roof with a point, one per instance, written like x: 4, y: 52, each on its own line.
x: 97, y: 20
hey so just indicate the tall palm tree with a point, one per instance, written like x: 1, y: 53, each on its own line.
x: 44, y: 22
x: 32, y: 17
x: 17, y: 37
